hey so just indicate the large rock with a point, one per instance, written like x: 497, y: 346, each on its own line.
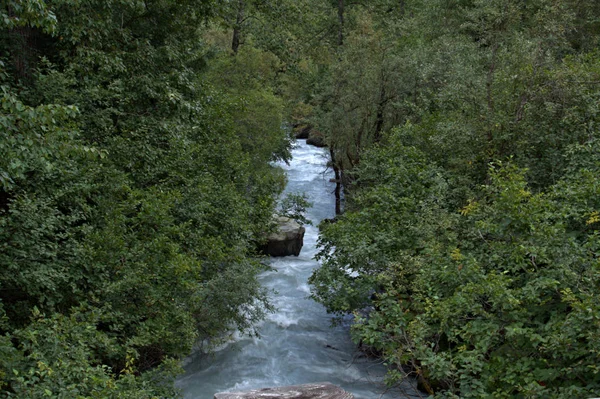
x: 323, y: 390
x: 316, y: 138
x: 312, y: 136
x: 287, y: 239
x: 302, y: 131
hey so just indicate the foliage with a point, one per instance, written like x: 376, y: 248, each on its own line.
x: 294, y: 206
x: 466, y: 133
x: 57, y: 358
x: 134, y: 186
x: 136, y: 179
x: 490, y: 301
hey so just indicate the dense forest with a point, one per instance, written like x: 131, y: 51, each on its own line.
x: 135, y: 183
x: 137, y: 141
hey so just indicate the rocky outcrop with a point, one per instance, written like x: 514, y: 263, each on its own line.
x: 312, y: 136
x: 287, y: 239
x: 302, y: 131
x: 316, y: 138
x: 323, y: 390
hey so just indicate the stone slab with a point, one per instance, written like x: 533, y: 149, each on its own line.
x: 323, y: 390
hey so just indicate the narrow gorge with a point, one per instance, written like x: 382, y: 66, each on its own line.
x: 298, y: 344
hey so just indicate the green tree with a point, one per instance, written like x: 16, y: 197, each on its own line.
x: 133, y: 194
x: 471, y: 272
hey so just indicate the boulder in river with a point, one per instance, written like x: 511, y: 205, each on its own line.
x: 323, y: 390
x: 287, y: 239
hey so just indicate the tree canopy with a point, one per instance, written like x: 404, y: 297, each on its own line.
x: 135, y: 185
x: 466, y: 135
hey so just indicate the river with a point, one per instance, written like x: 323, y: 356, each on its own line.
x: 297, y: 343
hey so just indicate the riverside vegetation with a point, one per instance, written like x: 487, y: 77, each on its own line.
x: 135, y: 180
x: 135, y: 183
x: 465, y: 133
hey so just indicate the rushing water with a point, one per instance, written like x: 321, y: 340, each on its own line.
x: 297, y: 343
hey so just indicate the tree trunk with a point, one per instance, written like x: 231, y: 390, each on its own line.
x: 380, y: 115
x: 23, y: 42
x: 490, y: 94
x: 332, y: 144
x: 341, y: 22
x: 237, y: 28
x: 338, y: 182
